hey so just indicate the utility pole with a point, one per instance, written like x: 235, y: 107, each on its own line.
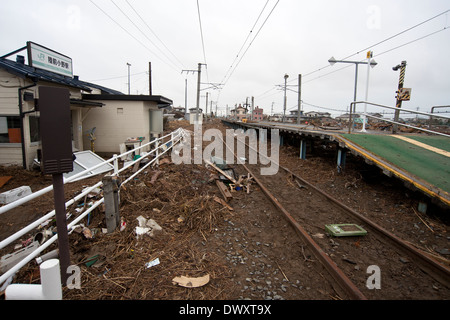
x: 398, y: 104
x: 299, y: 108
x: 284, y: 106
x: 185, y: 98
x: 206, y: 112
x: 199, y: 70
x: 150, y: 78
x: 129, y: 65
x: 253, y: 106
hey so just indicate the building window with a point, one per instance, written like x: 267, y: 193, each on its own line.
x: 10, y: 129
x: 35, y: 135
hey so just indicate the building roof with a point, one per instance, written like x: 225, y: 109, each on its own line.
x: 34, y: 74
x: 25, y: 71
x: 160, y: 100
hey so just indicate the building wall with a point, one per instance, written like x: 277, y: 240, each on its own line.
x: 11, y: 153
x: 117, y: 121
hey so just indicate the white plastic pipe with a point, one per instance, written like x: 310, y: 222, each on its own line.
x: 49, y: 289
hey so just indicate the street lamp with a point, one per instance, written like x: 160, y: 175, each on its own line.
x: 285, y: 85
x: 332, y: 61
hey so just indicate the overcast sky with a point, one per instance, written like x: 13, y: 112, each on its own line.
x: 290, y: 37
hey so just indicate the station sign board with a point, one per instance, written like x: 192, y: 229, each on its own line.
x: 46, y: 59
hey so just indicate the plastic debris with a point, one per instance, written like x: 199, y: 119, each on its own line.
x: 152, y: 263
x: 149, y: 227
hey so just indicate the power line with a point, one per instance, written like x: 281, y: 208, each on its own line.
x: 389, y: 50
x: 270, y: 13
x: 396, y: 35
x: 118, y: 77
x: 415, y: 40
x: 246, y: 39
x: 137, y: 27
x: 203, y: 42
x: 140, y: 17
x: 380, y: 42
x: 140, y: 42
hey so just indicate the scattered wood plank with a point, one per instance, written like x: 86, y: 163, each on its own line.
x: 4, y: 180
x: 224, y: 190
x: 221, y: 171
x: 222, y: 202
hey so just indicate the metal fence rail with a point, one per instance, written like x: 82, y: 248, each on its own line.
x: 431, y: 115
x: 161, y: 147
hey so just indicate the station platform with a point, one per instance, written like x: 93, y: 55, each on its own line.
x: 421, y: 161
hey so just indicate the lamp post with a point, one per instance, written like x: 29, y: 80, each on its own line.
x: 372, y: 63
x: 284, y: 105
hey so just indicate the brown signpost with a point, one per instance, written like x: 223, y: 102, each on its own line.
x: 57, y: 157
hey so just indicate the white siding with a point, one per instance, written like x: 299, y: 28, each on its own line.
x: 115, y: 122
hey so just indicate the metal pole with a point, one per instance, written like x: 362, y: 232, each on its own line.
x: 284, y: 107
x: 369, y: 56
x: 198, y: 90
x: 149, y: 78
x: 253, y: 108
x: 61, y: 224
x: 354, y: 99
x: 185, y: 97
x: 299, y: 107
x: 400, y: 86
x: 128, y: 77
x: 206, y: 112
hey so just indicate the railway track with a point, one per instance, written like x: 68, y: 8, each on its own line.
x: 394, y: 268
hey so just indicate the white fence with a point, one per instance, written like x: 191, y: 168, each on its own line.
x: 160, y: 147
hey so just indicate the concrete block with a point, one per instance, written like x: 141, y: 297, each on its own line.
x: 10, y: 260
x: 14, y: 194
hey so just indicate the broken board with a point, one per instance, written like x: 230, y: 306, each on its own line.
x: 224, y: 190
x: 85, y: 160
x: 4, y: 180
x: 345, y: 230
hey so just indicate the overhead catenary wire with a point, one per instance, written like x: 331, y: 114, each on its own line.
x: 383, y: 41
x: 243, y: 44
x: 381, y: 53
x: 250, y: 44
x: 131, y: 35
x: 203, y: 40
x: 143, y: 33
x: 156, y: 36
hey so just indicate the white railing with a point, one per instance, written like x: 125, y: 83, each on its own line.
x: 159, y: 145
x: 395, y: 122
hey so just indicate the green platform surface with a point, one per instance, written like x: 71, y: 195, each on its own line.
x: 429, y: 166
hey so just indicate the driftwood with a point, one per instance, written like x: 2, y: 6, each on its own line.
x: 221, y: 171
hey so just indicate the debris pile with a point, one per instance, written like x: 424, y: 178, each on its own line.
x: 166, y: 212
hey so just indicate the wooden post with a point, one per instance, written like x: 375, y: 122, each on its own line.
x: 111, y: 195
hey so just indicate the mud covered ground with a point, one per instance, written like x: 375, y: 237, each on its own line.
x: 246, y: 248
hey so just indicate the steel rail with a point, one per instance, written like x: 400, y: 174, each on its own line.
x: 426, y: 263
x: 434, y: 268
x: 345, y: 284
x: 338, y: 275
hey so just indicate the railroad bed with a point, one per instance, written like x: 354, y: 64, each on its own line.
x: 377, y: 265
